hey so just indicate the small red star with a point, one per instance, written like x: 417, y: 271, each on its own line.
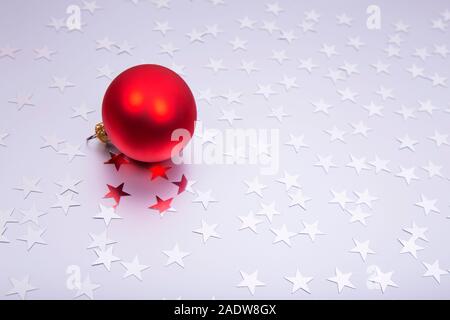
x: 116, y: 193
x: 158, y: 171
x: 161, y: 205
x: 181, y: 184
x: 117, y: 160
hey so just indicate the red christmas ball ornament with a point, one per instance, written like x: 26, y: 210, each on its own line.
x: 141, y: 109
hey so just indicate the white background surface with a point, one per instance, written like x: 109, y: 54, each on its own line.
x: 213, y: 269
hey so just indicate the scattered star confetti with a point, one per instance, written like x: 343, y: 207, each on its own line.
x: 107, y: 214
x: 117, y: 160
x: 116, y: 193
x: 352, y: 124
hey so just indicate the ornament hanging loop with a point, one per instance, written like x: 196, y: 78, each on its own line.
x: 100, y: 133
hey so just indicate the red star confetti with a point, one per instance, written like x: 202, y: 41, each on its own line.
x: 181, y: 184
x: 117, y: 160
x: 161, y: 205
x: 116, y: 193
x: 159, y: 171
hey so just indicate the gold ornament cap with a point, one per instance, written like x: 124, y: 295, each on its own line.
x: 100, y: 133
